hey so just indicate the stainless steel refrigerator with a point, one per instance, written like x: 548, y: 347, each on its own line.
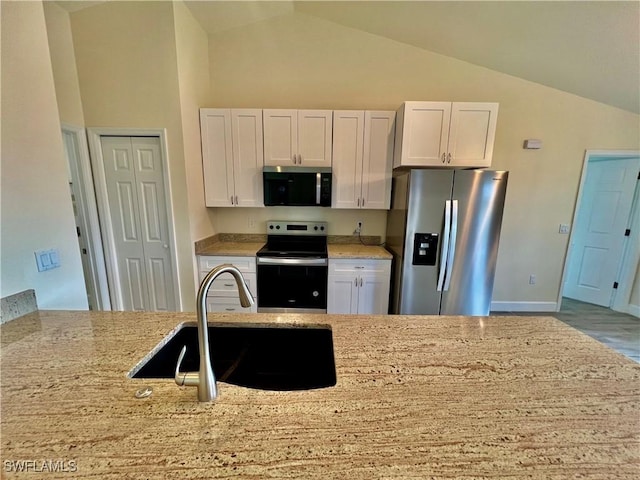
x: 443, y: 231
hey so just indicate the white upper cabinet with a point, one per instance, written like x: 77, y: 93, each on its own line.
x: 445, y: 134
x: 297, y: 137
x: 362, y: 159
x: 232, y: 156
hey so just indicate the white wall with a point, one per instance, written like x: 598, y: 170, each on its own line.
x: 36, y: 207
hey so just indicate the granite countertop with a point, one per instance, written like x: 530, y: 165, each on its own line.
x: 357, y: 251
x: 338, y: 250
x: 416, y: 397
x: 231, y: 249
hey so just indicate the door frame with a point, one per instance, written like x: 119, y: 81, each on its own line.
x: 631, y: 252
x: 81, y: 175
x: 99, y: 177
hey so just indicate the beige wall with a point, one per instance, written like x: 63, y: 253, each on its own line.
x: 299, y: 61
x: 36, y: 204
x: 63, y: 63
x: 127, y: 68
x: 192, y: 50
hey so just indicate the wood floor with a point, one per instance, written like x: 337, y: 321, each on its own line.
x: 618, y: 331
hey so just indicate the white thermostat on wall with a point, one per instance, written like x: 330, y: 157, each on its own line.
x: 532, y: 144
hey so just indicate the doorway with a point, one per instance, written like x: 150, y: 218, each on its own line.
x: 86, y: 216
x: 603, y: 248
x: 134, y: 204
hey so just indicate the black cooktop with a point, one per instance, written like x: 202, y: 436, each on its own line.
x: 294, y: 247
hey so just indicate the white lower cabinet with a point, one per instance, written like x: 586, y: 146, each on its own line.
x: 223, y: 294
x: 358, y: 286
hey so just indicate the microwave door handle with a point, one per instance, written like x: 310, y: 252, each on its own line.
x: 452, y: 243
x: 318, y: 187
x: 444, y: 250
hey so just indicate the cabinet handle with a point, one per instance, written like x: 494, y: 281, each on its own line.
x: 231, y: 199
x: 363, y: 201
x: 356, y: 282
x: 449, y: 158
x: 236, y: 199
x: 359, y: 267
x: 360, y: 281
x: 444, y: 157
x: 228, y: 284
x: 230, y: 309
x: 358, y: 201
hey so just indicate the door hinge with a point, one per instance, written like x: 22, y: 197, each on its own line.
x: 627, y: 232
x: 615, y: 284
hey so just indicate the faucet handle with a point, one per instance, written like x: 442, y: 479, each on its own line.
x: 185, y: 378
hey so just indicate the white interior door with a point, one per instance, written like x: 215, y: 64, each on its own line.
x: 599, y: 231
x: 137, y: 205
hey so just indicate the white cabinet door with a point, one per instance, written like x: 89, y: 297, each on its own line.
x: 232, y: 157
x: 444, y: 134
x: 348, y: 145
x: 297, y: 137
x: 358, y: 286
x: 422, y: 139
x: 377, y: 163
x: 373, y: 294
x: 362, y: 159
x: 280, y: 137
x: 217, y: 156
x: 472, y: 133
x: 342, y: 294
x: 315, y: 128
x: 247, y: 157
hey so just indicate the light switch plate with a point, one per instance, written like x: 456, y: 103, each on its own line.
x: 47, y: 259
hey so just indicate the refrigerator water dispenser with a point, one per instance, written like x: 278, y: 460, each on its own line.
x: 425, y: 248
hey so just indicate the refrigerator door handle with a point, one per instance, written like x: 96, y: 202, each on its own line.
x: 452, y: 243
x: 444, y: 251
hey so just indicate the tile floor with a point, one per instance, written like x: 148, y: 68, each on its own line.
x: 618, y: 331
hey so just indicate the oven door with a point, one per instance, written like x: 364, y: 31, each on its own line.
x: 292, y: 285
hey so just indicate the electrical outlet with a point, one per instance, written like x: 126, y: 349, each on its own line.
x: 564, y: 228
x: 358, y: 229
x: 532, y: 279
x: 252, y: 222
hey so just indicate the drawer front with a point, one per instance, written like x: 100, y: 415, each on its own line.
x: 345, y: 267
x: 244, y: 264
x: 228, y: 305
x: 225, y: 285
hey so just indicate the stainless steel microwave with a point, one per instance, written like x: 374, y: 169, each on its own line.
x: 297, y: 186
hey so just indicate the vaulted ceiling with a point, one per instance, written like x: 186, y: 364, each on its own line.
x: 588, y: 48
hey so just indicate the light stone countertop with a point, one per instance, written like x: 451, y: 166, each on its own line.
x: 231, y: 249
x: 335, y: 250
x: 416, y: 397
x: 357, y: 251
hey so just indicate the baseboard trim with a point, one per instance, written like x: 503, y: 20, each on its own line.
x: 524, y: 306
x: 632, y: 310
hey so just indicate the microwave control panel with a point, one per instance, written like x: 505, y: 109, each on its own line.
x: 425, y: 248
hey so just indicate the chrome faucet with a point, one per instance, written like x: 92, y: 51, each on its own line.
x: 204, y: 378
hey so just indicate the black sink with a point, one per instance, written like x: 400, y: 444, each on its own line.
x: 269, y: 357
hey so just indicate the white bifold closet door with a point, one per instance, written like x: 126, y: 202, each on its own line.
x: 137, y: 208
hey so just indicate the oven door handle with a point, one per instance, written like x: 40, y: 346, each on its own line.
x: 292, y: 261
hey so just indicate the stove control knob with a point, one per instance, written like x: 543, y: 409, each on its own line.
x: 322, y: 228
x: 271, y: 227
x: 316, y: 227
x: 277, y: 227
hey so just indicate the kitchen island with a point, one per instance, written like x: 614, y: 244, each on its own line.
x: 416, y: 397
